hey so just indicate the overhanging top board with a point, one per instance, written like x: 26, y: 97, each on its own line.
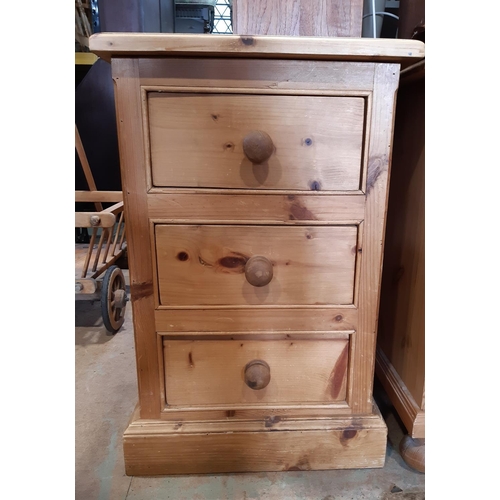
x: 405, y: 52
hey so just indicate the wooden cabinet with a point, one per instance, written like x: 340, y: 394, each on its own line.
x: 255, y: 174
x: 401, y: 340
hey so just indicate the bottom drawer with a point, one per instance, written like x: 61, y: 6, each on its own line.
x: 212, y: 372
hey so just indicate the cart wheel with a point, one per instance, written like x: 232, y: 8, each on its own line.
x: 113, y: 299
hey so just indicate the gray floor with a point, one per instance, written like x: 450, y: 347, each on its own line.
x: 106, y: 394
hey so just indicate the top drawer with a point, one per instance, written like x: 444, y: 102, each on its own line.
x: 196, y: 140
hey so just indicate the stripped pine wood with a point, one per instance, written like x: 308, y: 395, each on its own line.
x: 261, y: 412
x: 274, y: 335
x: 228, y: 425
x: 256, y: 319
x: 232, y: 208
x: 153, y: 448
x: 301, y: 371
x: 280, y: 47
x: 411, y: 413
x: 205, y: 265
x: 204, y: 133
x: 401, y: 340
x: 267, y: 77
x: 379, y: 151
x: 244, y: 362
x: 128, y: 107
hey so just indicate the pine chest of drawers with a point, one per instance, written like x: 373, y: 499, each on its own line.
x: 255, y: 176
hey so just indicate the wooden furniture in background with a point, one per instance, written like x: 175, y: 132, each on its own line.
x: 339, y: 18
x: 254, y: 284
x: 97, y: 277
x: 411, y: 19
x: 401, y: 338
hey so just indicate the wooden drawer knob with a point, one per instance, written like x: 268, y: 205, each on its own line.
x: 258, y: 146
x: 257, y: 374
x: 258, y: 270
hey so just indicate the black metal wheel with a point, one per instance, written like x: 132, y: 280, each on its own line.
x: 113, y: 299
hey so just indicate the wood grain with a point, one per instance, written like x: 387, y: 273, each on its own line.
x: 402, y: 302
x: 263, y: 413
x: 379, y: 151
x: 106, y: 45
x: 270, y: 77
x: 82, y: 259
x: 410, y: 412
x: 84, y: 219
x: 338, y: 18
x: 133, y: 173
x: 155, y: 448
x: 318, y: 141
x: 401, y: 340
x: 191, y: 319
x: 233, y: 208
x: 205, y: 265
x: 103, y: 196
x: 199, y: 372
x: 256, y: 319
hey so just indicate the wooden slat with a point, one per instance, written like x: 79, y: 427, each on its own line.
x: 89, y: 253
x: 205, y: 265
x: 81, y: 253
x: 339, y: 18
x: 108, y: 243
x: 87, y: 172
x: 103, y: 196
x: 122, y: 238
x: 301, y: 371
x: 363, y: 355
x: 82, y: 219
x: 117, y: 233
x: 256, y: 319
x: 114, y: 209
x: 231, y: 208
x: 88, y: 285
x: 105, y: 233
x: 133, y: 172
x: 107, y: 45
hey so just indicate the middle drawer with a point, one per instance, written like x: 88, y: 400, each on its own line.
x: 224, y: 265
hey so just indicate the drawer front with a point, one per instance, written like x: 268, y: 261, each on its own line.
x: 210, y: 372
x: 196, y: 140
x: 203, y: 265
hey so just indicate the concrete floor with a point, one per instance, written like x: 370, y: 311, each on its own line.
x: 106, y: 394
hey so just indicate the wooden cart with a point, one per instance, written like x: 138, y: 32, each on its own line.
x: 97, y: 277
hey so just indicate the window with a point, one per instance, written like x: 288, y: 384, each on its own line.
x: 223, y: 18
